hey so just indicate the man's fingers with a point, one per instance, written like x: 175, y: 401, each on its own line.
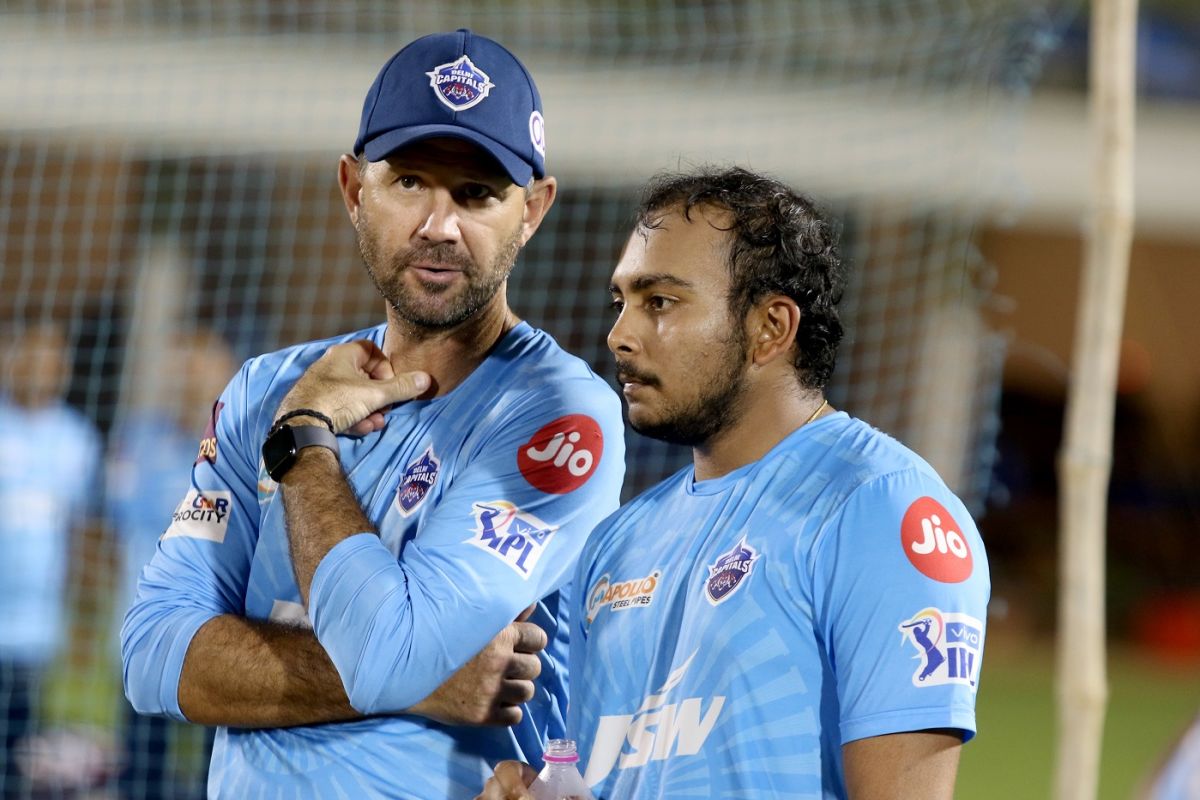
x: 505, y: 716
x: 527, y: 613
x: 372, y: 423
x: 530, y: 638
x: 411, y: 384
x: 515, y: 692
x: 510, y: 782
x: 523, y: 666
x: 363, y: 353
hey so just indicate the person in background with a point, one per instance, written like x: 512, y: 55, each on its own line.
x: 151, y: 453
x: 48, y: 486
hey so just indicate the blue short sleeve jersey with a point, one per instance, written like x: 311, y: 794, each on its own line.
x: 731, y: 635
x: 483, y: 499
x: 48, y: 481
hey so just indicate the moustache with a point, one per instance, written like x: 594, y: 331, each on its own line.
x: 627, y: 373
x: 435, y: 254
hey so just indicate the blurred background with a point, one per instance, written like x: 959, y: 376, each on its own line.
x: 168, y: 207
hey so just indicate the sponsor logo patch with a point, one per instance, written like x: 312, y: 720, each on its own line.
x: 658, y: 730
x: 208, y: 442
x: 508, y: 533
x: 934, y: 543
x: 202, y: 515
x: 562, y: 455
x: 537, y: 133
x: 636, y: 593
x: 416, y: 482
x: 948, y: 646
x: 727, y: 574
x: 460, y: 84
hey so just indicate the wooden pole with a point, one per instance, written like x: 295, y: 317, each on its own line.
x: 1086, y: 457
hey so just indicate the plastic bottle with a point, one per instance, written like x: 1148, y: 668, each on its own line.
x: 560, y: 778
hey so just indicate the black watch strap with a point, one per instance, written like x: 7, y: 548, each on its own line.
x: 313, y: 436
x: 282, y: 445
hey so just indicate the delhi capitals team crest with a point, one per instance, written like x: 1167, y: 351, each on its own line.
x: 418, y: 479
x: 948, y: 646
x: 460, y: 84
x: 733, y: 567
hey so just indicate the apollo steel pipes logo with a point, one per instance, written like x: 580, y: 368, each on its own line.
x: 460, y: 84
x: 620, y: 595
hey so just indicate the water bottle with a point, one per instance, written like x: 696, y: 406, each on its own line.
x: 560, y: 778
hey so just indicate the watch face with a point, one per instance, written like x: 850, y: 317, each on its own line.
x: 279, y: 452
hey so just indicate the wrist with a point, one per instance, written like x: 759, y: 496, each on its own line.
x: 302, y: 416
x: 296, y: 420
x: 286, y: 442
x: 307, y: 460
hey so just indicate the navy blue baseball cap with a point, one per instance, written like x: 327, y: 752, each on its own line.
x: 460, y: 85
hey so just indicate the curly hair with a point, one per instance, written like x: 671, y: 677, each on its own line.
x: 782, y: 244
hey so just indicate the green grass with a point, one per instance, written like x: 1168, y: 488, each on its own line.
x: 1013, y: 755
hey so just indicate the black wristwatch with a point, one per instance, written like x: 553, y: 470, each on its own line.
x: 285, y: 441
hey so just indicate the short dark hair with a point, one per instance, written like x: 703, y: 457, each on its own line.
x: 782, y: 244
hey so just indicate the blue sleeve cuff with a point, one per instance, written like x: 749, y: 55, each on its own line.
x: 153, y: 666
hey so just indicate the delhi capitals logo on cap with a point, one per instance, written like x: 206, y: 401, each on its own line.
x: 418, y: 479
x: 725, y: 576
x: 460, y: 84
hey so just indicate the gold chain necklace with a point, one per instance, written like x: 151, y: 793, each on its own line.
x: 813, y: 416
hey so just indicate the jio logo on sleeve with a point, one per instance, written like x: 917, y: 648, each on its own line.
x: 562, y: 455
x: 934, y: 543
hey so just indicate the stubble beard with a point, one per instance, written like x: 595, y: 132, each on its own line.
x: 421, y: 308
x: 717, y: 407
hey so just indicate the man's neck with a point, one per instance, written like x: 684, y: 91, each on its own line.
x: 449, y: 356
x: 769, y: 415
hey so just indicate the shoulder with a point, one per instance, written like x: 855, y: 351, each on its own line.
x: 532, y: 357
x: 838, y: 456
x: 263, y: 380
x: 639, y: 514
x: 286, y: 365
x: 529, y: 377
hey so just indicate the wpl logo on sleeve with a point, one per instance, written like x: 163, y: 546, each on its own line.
x: 948, y: 644
x: 516, y: 538
x: 460, y: 84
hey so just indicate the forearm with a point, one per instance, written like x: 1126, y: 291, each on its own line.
x: 321, y: 510
x: 247, y: 673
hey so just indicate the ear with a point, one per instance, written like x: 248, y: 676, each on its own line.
x: 537, y: 203
x: 772, y: 326
x: 350, y: 182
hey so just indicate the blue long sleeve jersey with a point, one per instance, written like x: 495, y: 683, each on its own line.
x: 730, y: 635
x: 483, y: 499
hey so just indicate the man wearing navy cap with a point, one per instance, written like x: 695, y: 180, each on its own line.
x: 370, y: 513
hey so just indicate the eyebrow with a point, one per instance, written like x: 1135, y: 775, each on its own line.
x: 643, y: 282
x: 481, y: 172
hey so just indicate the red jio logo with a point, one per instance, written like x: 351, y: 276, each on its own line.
x: 933, y: 542
x: 561, y: 456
